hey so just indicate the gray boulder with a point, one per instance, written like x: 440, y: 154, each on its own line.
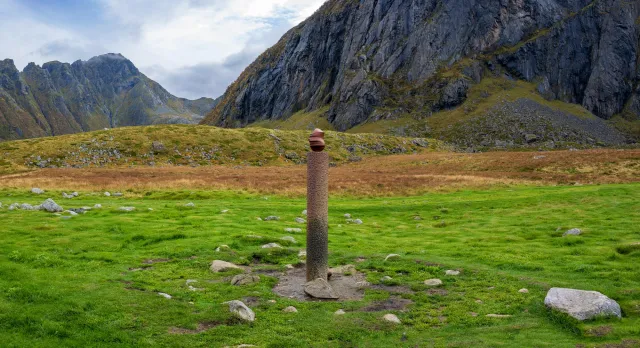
x: 582, y: 305
x: 573, y: 232
x: 321, y: 289
x: 25, y: 206
x: 221, y: 266
x: 241, y: 310
x: 272, y: 218
x: 107, y: 194
x: 245, y: 279
x: 50, y: 206
x: 301, y: 220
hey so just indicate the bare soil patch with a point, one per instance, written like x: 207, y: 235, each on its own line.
x: 391, y: 304
x: 349, y: 288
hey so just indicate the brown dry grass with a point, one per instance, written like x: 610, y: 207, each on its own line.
x: 375, y: 176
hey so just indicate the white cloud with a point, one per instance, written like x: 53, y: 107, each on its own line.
x: 176, y: 42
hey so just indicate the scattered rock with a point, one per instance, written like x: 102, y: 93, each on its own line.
x: 289, y: 239
x: 190, y: 205
x: 452, y: 273
x: 340, y: 312
x: 158, y: 147
x: 245, y: 279
x: 224, y: 211
x: 107, y: 194
x: 118, y: 194
x: 347, y: 216
x: 272, y: 246
x: 289, y: 266
x: 433, y: 282
x: 302, y: 253
x: 357, y: 222
x: 293, y: 230
x: 25, y: 206
x: 37, y: 191
x: 304, y: 212
x: 573, y: 232
x: 523, y: 291
x: 392, y: 318
x: 582, y: 305
x: 272, y: 218
x: 347, y: 269
x: 221, y: 266
x: 127, y: 209
x: 50, y: 206
x: 498, y: 316
x: 167, y: 296
x: 97, y: 206
x: 241, y: 310
x: 290, y: 309
x: 392, y: 257
x: 223, y: 248
x: 301, y: 221
x: 386, y: 279
x: 321, y: 289
x: 72, y: 213
x: 191, y: 281
x: 66, y: 196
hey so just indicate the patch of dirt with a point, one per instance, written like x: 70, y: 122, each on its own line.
x: 202, y: 327
x: 349, y: 288
x: 599, y: 331
x: 427, y: 263
x: 391, y: 304
x: 251, y: 301
x: 152, y: 261
x: 437, y: 292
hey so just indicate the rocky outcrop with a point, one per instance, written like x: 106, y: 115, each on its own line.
x: 104, y: 92
x: 388, y: 58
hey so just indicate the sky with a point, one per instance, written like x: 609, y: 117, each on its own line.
x: 193, y: 48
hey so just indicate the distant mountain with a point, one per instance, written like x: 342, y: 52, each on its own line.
x: 496, y: 72
x: 104, y: 92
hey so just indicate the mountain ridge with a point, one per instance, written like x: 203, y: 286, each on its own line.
x: 377, y: 60
x: 105, y: 91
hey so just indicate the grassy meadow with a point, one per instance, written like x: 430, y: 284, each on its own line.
x: 93, y: 279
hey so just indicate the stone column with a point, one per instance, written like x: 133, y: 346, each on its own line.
x: 317, y: 208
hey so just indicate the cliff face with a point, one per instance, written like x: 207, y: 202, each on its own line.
x: 106, y: 91
x: 377, y: 59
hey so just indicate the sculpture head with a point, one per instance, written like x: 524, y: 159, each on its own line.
x: 316, y: 140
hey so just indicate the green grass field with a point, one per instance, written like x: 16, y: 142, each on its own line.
x: 94, y: 279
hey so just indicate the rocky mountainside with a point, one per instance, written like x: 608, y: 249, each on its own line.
x: 368, y: 61
x: 104, y: 92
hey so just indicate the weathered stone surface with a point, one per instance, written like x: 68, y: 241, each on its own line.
x: 392, y: 318
x: 289, y: 239
x: 241, y: 310
x: 272, y: 246
x: 245, y: 279
x: 340, y: 312
x: 272, y: 218
x: 50, y: 206
x: 190, y: 205
x: 573, y: 232
x: 127, y: 209
x: 523, y: 291
x: 321, y: 289
x: 167, y: 296
x: 107, y: 194
x: 221, y: 266
x: 223, y: 248
x: 452, y: 273
x: 290, y: 309
x: 97, y: 206
x: 301, y: 221
x: 293, y: 230
x: 37, y: 191
x: 582, y: 305
x: 433, y: 282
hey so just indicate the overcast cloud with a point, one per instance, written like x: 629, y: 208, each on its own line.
x: 193, y: 48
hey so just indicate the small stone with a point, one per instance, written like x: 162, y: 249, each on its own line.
x: 392, y: 257
x: 290, y: 309
x: 272, y: 246
x: 245, y: 279
x: 498, y: 316
x: 167, y: 296
x: 97, y: 206
x: 289, y: 239
x: 347, y: 269
x: 223, y: 248
x: 582, y: 305
x: 127, y: 209
x: 75, y: 194
x: 191, y: 281
x: 50, y: 206
x: 72, y: 213
x: 272, y: 218
x: 26, y: 206
x: 293, y: 230
x: 386, y: 279
x: 392, y: 318
x: 433, y: 282
x: 523, y: 291
x: 194, y: 289
x: 301, y: 220
x: 357, y: 222
x: 118, y: 194
x: 259, y: 218
x: 320, y: 288
x: 304, y: 212
x: 190, y: 205
x: 452, y: 273
x: 302, y: 253
x: 340, y: 312
x: 289, y: 266
x: 573, y: 232
x: 107, y: 194
x: 37, y: 191
x: 150, y: 209
x: 224, y: 211
x: 272, y: 301
x: 221, y: 266
x: 241, y: 310
x: 347, y: 216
